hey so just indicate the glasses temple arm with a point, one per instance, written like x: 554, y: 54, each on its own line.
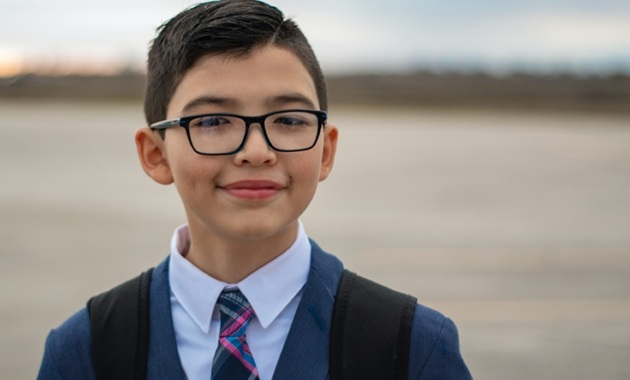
x: 165, y: 124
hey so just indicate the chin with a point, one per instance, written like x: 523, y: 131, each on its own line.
x: 263, y: 230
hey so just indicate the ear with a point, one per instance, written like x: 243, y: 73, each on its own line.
x: 330, y: 149
x: 150, y: 147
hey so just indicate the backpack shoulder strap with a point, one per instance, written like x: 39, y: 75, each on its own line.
x: 119, y: 324
x: 371, y: 330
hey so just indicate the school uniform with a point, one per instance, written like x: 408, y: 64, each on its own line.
x: 289, y: 337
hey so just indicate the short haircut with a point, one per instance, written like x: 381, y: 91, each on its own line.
x: 230, y: 27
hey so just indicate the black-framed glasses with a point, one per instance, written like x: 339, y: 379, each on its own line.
x: 217, y: 134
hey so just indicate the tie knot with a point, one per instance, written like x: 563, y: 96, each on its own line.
x: 236, y: 312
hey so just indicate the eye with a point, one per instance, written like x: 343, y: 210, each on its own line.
x: 290, y: 120
x: 209, y: 122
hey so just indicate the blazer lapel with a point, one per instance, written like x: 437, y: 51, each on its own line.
x: 163, y: 360
x: 306, y: 354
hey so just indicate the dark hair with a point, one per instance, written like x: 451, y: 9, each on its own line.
x: 233, y: 27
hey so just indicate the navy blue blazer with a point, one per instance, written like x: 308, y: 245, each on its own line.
x: 434, y: 352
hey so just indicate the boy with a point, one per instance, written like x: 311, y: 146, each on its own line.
x: 244, y: 293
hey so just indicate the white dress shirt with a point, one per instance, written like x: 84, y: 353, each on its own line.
x: 274, y: 291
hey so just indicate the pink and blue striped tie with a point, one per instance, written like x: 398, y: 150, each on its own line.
x: 233, y: 360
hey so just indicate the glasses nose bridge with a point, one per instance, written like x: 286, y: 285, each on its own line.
x: 249, y: 120
x: 260, y: 120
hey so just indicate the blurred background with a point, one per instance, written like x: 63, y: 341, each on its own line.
x: 484, y: 166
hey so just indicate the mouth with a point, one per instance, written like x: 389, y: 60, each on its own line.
x: 253, y: 189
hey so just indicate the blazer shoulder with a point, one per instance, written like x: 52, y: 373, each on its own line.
x: 68, y: 348
x: 68, y: 351
x: 434, y: 351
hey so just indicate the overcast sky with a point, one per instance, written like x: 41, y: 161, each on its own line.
x: 574, y: 35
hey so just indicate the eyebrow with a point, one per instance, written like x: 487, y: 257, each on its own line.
x: 274, y: 102
x: 206, y: 101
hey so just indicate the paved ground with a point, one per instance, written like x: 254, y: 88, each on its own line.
x: 515, y: 225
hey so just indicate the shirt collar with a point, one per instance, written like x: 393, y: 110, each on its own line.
x: 269, y: 289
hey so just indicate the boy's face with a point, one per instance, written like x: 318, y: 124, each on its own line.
x: 257, y: 193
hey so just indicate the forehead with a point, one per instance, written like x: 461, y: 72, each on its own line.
x: 255, y: 82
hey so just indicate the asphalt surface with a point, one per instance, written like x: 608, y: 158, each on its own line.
x: 515, y: 225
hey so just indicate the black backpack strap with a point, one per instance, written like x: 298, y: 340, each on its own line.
x: 371, y: 331
x: 119, y: 324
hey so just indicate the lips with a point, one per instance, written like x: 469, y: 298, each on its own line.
x: 253, y: 189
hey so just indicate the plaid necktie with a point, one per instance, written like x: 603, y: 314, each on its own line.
x: 233, y: 360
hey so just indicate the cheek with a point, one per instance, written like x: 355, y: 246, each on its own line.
x: 306, y: 168
x: 192, y: 171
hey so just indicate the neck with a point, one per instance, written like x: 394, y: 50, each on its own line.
x: 232, y: 260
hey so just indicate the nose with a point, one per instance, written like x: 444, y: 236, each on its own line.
x: 256, y: 151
